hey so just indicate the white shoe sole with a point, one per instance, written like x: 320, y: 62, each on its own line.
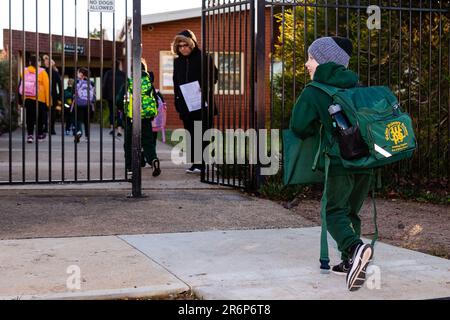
x: 357, y: 274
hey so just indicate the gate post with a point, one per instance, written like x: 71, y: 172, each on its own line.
x: 260, y: 80
x: 136, y: 144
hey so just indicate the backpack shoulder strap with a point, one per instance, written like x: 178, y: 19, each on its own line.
x: 329, y: 90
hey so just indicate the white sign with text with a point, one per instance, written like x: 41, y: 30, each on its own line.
x: 102, y: 5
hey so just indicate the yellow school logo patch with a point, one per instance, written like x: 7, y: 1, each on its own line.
x: 397, y: 132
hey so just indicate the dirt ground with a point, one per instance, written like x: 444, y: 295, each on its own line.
x: 411, y: 225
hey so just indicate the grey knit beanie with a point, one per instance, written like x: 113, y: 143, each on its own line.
x: 332, y: 49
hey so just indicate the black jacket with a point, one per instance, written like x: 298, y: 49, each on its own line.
x: 189, y: 69
x: 56, y: 89
x: 107, y: 85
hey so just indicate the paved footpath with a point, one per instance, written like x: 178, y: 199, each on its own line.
x: 91, y: 242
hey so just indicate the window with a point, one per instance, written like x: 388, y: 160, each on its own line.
x: 166, y: 72
x: 231, y: 73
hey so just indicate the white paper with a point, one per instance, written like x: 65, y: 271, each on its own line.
x: 192, y: 94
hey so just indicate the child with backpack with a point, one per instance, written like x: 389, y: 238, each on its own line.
x: 149, y: 110
x: 29, y: 95
x: 359, y: 130
x: 83, y: 104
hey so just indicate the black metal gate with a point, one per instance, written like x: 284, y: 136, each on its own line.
x: 403, y: 44
x: 74, y: 34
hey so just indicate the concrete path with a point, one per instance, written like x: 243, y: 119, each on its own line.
x: 108, y: 268
x: 254, y: 264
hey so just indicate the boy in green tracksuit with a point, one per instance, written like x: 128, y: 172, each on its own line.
x: 346, y: 189
x: 149, y: 110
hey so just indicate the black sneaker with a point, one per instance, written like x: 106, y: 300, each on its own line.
x: 77, y: 137
x: 156, y: 168
x: 194, y: 169
x: 361, y: 258
x: 342, y: 268
x: 129, y: 175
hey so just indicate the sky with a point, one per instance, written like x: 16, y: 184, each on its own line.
x: 57, y: 23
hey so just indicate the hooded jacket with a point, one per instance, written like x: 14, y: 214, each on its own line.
x: 311, y: 111
x: 189, y: 69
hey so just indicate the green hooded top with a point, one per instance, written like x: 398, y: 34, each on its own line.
x: 311, y: 110
x: 149, y: 106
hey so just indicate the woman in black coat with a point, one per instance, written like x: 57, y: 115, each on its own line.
x: 188, y: 69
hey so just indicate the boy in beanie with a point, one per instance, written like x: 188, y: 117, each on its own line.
x: 347, y: 189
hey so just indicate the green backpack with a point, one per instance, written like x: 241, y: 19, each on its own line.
x: 385, y: 132
x: 379, y: 134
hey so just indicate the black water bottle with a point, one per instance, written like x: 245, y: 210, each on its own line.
x: 339, y: 117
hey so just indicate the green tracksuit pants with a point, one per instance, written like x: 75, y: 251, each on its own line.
x: 346, y: 195
x: 148, y: 142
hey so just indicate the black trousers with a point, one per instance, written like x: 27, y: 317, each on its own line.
x: 189, y: 125
x: 30, y: 107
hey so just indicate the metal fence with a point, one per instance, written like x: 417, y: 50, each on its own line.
x: 401, y: 44
x: 74, y: 36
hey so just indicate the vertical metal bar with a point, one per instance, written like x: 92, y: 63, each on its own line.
x: 204, y: 64
x: 24, y: 113
x: 283, y: 59
x: 369, y: 57
x: 419, y: 112
x: 248, y: 80
x: 409, y: 59
x: 229, y: 89
x: 88, y: 109
x: 223, y: 95
x: 75, y: 109
x: 101, y: 94
x: 243, y: 71
x: 379, y: 49
x: 114, y: 96
x: 211, y: 167
x: 37, y: 95
x: 260, y: 80
x: 237, y: 61
x: 125, y: 70
x: 348, y: 19
x: 63, y: 120
x: 305, y: 45
x: 252, y: 82
x: 137, y: 55
x: 326, y: 18
x: 448, y: 118
x: 272, y: 61
x: 337, y: 17
x: 438, y: 144
x: 315, y: 21
x: 359, y: 38
x: 10, y: 51
x: 50, y: 117
x: 430, y: 75
x: 400, y: 75
x: 409, y: 75
x: 390, y: 46
x: 294, y: 12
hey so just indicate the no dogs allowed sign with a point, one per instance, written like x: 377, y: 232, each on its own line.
x: 102, y: 5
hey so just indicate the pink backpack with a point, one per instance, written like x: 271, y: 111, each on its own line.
x: 30, y: 83
x: 159, y: 123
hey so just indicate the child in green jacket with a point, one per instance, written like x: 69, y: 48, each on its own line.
x: 346, y: 189
x: 149, y: 110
